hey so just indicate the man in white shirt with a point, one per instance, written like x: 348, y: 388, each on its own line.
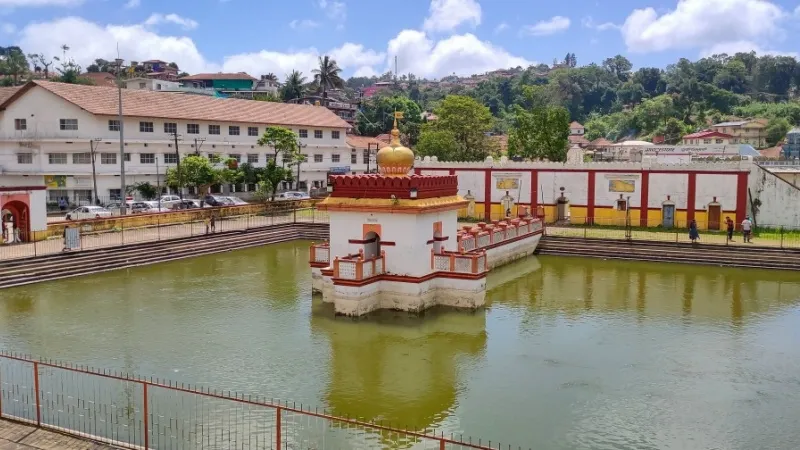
x: 747, y: 227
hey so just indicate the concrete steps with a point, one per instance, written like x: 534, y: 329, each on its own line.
x: 65, y: 265
x: 717, y: 255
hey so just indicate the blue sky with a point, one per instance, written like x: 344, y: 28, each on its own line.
x: 431, y: 38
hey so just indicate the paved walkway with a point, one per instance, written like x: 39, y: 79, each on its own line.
x: 16, y: 436
x: 153, y: 234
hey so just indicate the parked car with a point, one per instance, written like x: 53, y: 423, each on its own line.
x: 292, y: 195
x: 88, y: 212
x: 168, y: 200
x: 216, y: 200
x: 237, y: 201
x: 130, y: 207
x: 185, y: 204
x: 154, y: 208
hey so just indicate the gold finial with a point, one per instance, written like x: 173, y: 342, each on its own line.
x: 394, y: 159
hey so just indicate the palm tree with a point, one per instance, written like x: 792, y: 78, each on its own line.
x: 271, y: 77
x: 64, y: 49
x: 327, y: 75
x: 295, y: 86
x: 16, y: 64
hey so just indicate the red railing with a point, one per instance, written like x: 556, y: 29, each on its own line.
x: 320, y: 253
x: 471, y: 238
x: 136, y: 412
x: 356, y: 267
x: 472, y: 263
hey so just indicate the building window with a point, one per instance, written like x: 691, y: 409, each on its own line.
x: 142, y: 85
x: 24, y: 158
x: 270, y: 158
x: 719, y: 141
x: 622, y: 205
x: 170, y: 158
x: 145, y: 127
x: 317, y: 158
x: 334, y: 134
x: 147, y: 158
x: 317, y: 134
x: 57, y: 158
x: 233, y: 130
x: 114, y: 194
x: 213, y: 129
x: 366, y: 157
x: 170, y: 127
x: 81, y: 158
x: 303, y: 133
x: 353, y: 157
x: 20, y: 124
x: 68, y: 124
x: 192, y: 128
x: 252, y: 131
x: 213, y: 157
x: 252, y: 158
x: 236, y: 156
x: 706, y: 141
x: 158, y: 86
x: 108, y: 158
x: 335, y: 157
x: 113, y: 125
x: 127, y: 157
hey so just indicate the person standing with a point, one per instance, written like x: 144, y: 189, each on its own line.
x: 213, y: 223
x: 747, y: 229
x: 62, y: 203
x: 694, y: 235
x: 729, y: 224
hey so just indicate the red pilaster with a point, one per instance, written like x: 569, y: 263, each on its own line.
x: 452, y: 171
x: 691, y: 196
x: 590, y: 197
x: 487, y: 195
x: 643, y: 201
x: 741, y: 196
x: 534, y: 191
x: 418, y: 171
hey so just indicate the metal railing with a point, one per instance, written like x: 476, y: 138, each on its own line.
x: 150, y: 413
x: 141, y: 228
x: 624, y: 229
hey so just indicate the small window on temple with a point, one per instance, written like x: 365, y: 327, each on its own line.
x: 622, y: 205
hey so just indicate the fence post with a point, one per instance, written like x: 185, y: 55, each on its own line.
x: 36, y: 388
x: 158, y: 225
x: 122, y: 231
x: 781, y: 237
x: 442, y: 445
x: 294, y: 219
x: 146, y: 423
x: 278, y: 428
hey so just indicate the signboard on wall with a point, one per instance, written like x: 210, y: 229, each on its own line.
x: 622, y: 183
x: 340, y: 170
x: 507, y: 181
x: 55, y: 181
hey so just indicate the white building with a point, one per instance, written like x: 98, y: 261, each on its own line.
x: 151, y: 84
x: 48, y: 129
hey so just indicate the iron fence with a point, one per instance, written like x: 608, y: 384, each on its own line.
x: 148, y: 413
x: 113, y: 232
x: 625, y: 229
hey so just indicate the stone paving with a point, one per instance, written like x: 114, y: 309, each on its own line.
x: 18, y: 436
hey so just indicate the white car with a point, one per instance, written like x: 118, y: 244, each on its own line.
x: 154, y: 208
x: 88, y: 212
x: 237, y: 201
x: 292, y: 195
x: 167, y: 201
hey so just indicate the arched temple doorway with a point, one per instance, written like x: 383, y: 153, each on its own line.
x: 372, y: 245
x: 16, y: 221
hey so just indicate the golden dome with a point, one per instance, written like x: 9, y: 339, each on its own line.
x: 394, y: 160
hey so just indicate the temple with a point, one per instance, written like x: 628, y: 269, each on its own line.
x: 395, y: 241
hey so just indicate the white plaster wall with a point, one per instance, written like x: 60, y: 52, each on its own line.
x: 521, y: 195
x: 410, y: 232
x: 668, y: 184
x: 19, y: 180
x: 38, y: 210
x: 721, y: 186
x: 605, y: 197
x: 472, y: 181
x: 779, y: 199
x: 575, y: 187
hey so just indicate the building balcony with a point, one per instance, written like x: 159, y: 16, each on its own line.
x: 358, y: 268
x: 469, y: 263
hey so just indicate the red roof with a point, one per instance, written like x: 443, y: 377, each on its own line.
x: 219, y: 76
x: 575, y: 124
x: 707, y: 134
x: 578, y: 139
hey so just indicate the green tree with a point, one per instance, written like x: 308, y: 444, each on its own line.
x: 468, y: 122
x: 438, y: 143
x: 776, y: 130
x: 196, y: 172
x: 618, y: 65
x: 377, y: 114
x: 15, y: 65
x: 146, y: 190
x: 280, y: 140
x: 328, y: 74
x: 541, y: 133
x: 267, y: 97
x: 294, y: 86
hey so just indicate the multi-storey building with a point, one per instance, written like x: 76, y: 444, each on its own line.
x: 749, y: 131
x: 791, y: 149
x: 53, y: 129
x: 346, y: 110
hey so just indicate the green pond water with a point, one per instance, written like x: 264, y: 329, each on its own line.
x: 568, y: 353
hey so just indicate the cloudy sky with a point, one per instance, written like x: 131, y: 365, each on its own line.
x: 430, y: 38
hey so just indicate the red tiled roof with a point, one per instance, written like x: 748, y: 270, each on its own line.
x: 101, y: 100
x: 6, y: 92
x: 601, y: 142
x: 385, y: 138
x: 575, y: 124
x: 101, y: 78
x: 219, y: 76
x: 363, y: 142
x: 578, y: 139
x: 772, y: 152
x: 705, y: 134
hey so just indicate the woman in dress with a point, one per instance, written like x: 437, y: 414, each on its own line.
x: 694, y: 235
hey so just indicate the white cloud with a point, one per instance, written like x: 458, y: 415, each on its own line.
x: 702, y: 23
x: 554, y: 25
x: 461, y: 54
x: 130, y: 4
x: 38, y: 3
x: 500, y: 28
x: 588, y: 22
x: 732, y: 48
x: 88, y: 40
x: 447, y: 15
x: 365, y: 71
x: 335, y: 10
x: 184, y: 22
x: 8, y: 28
x: 352, y: 55
x: 304, y: 24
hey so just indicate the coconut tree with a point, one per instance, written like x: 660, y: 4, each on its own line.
x: 271, y: 77
x: 327, y: 76
x: 295, y: 86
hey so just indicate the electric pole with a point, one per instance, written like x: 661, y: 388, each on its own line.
x: 122, y: 192
x: 175, y: 135
x: 94, y: 172
x: 196, y: 146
